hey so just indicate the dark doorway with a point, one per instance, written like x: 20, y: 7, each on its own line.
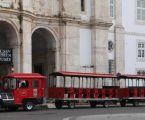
x: 39, y: 68
x: 43, y: 51
x: 8, y: 40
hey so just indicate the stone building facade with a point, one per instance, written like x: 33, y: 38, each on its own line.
x: 61, y: 35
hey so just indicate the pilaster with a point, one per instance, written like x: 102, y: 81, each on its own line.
x: 100, y: 23
x: 26, y: 49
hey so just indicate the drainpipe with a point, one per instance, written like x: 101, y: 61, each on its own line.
x: 115, y: 41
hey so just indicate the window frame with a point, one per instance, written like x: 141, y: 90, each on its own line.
x: 140, y: 71
x: 141, y: 16
x: 141, y: 50
x: 111, y: 66
x: 84, y: 6
x: 34, y: 83
x: 112, y: 8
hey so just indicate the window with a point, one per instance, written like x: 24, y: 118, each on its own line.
x: 39, y: 68
x: 141, y: 10
x: 110, y: 45
x: 9, y: 83
x: 111, y: 66
x: 141, y: 50
x: 83, y: 5
x: 141, y: 72
x: 35, y: 84
x: 23, y: 84
x: 111, y: 8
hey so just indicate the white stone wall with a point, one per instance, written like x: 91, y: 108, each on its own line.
x: 42, y: 7
x: 6, y: 3
x: 135, y: 31
x: 69, y: 7
x: 88, y: 13
x: 85, y: 47
x: 71, y: 49
x: 116, y: 35
x: 75, y: 32
x: 100, y: 55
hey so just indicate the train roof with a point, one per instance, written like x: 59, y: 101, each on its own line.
x: 25, y: 75
x: 131, y: 76
x: 80, y: 74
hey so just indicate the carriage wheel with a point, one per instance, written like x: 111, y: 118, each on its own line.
x: 135, y: 103
x: 123, y: 103
x: 58, y: 104
x: 71, y: 104
x: 106, y: 104
x: 93, y: 104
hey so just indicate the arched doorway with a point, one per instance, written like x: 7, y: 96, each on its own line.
x: 43, y: 51
x: 8, y: 40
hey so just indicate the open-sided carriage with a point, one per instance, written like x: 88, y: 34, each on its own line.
x: 132, y: 89
x: 68, y: 88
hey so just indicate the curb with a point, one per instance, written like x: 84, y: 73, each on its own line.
x: 136, y: 116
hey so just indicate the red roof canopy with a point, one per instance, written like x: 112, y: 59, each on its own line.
x: 130, y: 76
x: 25, y: 75
x: 80, y: 74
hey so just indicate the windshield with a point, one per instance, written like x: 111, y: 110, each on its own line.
x: 9, y: 83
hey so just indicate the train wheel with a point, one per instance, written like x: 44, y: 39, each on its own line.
x: 93, y: 104
x: 106, y: 104
x: 135, y: 103
x: 123, y: 103
x: 58, y: 104
x: 71, y: 104
x: 28, y: 106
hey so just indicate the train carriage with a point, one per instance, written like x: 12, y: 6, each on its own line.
x: 68, y: 88
x: 132, y: 89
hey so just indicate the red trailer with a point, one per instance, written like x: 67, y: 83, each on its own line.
x: 132, y: 89
x: 20, y: 89
x: 68, y: 88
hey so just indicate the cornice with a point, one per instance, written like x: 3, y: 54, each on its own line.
x: 100, y: 23
x: 64, y: 18
x: 135, y: 34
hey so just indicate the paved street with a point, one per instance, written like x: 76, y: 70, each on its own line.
x: 67, y: 114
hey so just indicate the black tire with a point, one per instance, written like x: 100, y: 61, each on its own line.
x: 93, y: 104
x: 28, y: 106
x: 71, y: 105
x: 135, y: 103
x: 58, y: 104
x: 106, y: 104
x: 123, y: 103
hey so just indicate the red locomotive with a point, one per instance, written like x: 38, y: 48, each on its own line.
x: 24, y: 90
x: 69, y: 88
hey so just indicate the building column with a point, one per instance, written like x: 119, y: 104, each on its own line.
x: 16, y: 60
x: 100, y: 25
x: 26, y: 49
x: 119, y: 39
x: 57, y: 58
x: 99, y: 50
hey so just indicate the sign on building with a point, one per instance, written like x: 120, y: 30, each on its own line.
x: 5, y: 55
